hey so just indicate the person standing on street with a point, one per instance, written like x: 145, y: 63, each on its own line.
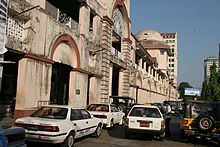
x: 167, y: 116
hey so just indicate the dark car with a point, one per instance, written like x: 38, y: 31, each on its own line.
x: 215, y: 135
x: 201, y: 120
x: 12, y: 137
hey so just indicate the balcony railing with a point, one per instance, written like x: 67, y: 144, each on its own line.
x: 116, y: 53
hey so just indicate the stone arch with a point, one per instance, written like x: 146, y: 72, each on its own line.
x: 126, y: 19
x: 70, y: 55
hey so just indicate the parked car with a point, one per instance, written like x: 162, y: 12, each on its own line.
x: 197, y: 119
x: 215, y: 134
x: 145, y: 119
x: 59, y: 124
x: 108, y: 113
x: 12, y: 137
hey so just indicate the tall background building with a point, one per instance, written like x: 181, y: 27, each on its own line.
x: 171, y: 40
x: 208, y: 62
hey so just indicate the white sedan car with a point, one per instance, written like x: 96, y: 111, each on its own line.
x: 59, y: 124
x: 108, y: 113
x: 145, y: 119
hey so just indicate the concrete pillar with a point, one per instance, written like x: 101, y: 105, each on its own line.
x: 33, y: 85
x: 84, y: 15
x: 77, y: 90
x: 110, y: 79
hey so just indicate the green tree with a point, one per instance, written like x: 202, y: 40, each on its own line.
x: 205, y: 94
x: 182, y: 87
x: 211, y: 88
x: 214, y: 86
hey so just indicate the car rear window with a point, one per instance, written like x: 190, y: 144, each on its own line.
x: 145, y: 112
x: 51, y: 112
x: 98, y: 107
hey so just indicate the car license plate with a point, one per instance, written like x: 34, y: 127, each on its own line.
x: 144, y: 124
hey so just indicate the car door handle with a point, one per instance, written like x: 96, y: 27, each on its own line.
x: 87, y: 122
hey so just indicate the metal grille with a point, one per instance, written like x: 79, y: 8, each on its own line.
x: 14, y: 28
x: 63, y: 18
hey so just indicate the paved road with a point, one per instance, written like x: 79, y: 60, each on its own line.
x: 115, y: 138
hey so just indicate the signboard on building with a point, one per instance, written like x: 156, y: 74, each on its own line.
x: 3, y: 19
x: 192, y: 91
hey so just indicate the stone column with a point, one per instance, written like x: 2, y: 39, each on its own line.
x: 110, y: 79
x: 84, y: 12
x: 105, y: 65
x: 126, y: 51
x: 77, y: 90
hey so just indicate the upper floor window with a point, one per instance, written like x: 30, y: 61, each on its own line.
x: 92, y: 16
x: 69, y: 7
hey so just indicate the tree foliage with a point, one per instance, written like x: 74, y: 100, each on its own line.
x: 211, y: 88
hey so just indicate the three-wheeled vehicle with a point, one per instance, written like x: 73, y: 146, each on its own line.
x: 200, y: 119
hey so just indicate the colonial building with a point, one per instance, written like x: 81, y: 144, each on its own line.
x: 77, y: 53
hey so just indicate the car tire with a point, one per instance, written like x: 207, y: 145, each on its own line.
x: 69, y: 141
x: 126, y: 134
x: 98, y: 131
x: 205, y: 123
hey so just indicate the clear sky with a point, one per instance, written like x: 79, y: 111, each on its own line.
x: 197, y: 23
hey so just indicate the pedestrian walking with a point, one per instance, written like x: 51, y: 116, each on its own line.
x: 167, y: 116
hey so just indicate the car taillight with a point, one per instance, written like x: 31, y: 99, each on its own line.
x: 49, y: 128
x: 15, y: 137
x: 185, y: 127
x: 162, y: 124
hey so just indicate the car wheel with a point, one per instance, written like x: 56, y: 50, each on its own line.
x: 98, y: 131
x: 205, y: 123
x: 69, y: 141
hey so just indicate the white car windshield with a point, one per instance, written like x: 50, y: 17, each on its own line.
x: 145, y: 112
x: 98, y: 107
x: 51, y: 112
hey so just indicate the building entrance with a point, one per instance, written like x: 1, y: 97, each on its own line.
x: 115, y: 80
x: 60, y: 84
x: 9, y: 81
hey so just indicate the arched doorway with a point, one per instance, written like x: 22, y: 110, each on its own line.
x: 65, y: 53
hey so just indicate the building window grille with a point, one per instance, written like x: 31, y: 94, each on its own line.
x: 15, y: 27
x: 63, y: 18
x: 67, y: 20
